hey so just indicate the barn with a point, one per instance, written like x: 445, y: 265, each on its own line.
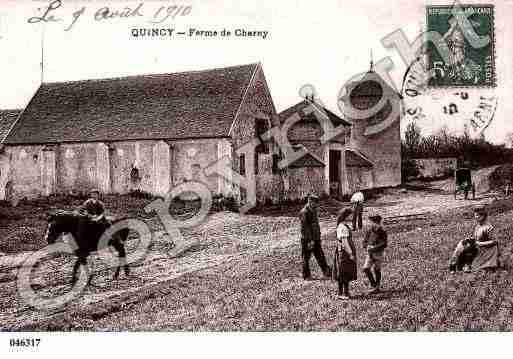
x: 142, y: 133
x: 151, y: 133
x: 355, y: 158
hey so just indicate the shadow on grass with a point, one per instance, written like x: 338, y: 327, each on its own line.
x: 425, y: 188
x: 386, y: 294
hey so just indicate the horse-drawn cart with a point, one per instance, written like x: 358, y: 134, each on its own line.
x: 463, y: 182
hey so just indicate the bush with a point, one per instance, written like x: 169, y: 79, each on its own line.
x: 409, y: 169
x: 474, y: 153
x: 141, y: 194
x: 221, y: 203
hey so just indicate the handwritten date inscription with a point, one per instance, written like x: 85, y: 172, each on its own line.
x: 50, y: 13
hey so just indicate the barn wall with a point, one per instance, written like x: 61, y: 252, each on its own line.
x: 191, y: 157
x: 257, y: 100
x: 120, y: 167
x: 77, y: 168
x: 360, y: 178
x: 384, y: 150
x: 224, y: 150
x: 269, y: 186
x: 132, y: 166
x: 435, y: 167
x: 5, y: 168
x: 300, y: 182
x: 21, y: 172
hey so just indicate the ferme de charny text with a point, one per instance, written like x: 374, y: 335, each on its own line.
x: 237, y: 32
x: 197, y: 33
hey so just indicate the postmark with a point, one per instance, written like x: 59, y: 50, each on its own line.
x: 469, y: 34
x: 459, y: 110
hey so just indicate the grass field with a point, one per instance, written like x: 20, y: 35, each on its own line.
x: 260, y: 289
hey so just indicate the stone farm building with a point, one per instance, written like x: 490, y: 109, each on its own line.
x: 150, y: 133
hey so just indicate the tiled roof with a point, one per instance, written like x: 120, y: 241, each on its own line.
x: 308, y: 160
x: 300, y: 107
x: 7, y: 119
x: 355, y: 158
x: 371, y: 84
x: 163, y: 106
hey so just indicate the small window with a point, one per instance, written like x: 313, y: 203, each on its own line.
x: 256, y: 162
x: 242, y: 165
x: 135, y: 175
x: 276, y: 160
x: 261, y: 128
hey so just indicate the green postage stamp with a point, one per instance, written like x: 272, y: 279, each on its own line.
x: 468, y: 59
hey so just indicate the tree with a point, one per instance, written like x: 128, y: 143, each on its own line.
x: 412, y: 139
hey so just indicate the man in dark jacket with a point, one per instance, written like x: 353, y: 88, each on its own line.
x: 311, y: 238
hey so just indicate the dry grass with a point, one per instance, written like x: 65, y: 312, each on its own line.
x: 264, y: 291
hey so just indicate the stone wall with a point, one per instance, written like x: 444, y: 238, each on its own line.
x: 435, y: 167
x: 77, y: 167
x: 299, y: 182
x: 191, y: 157
x: 22, y: 172
x: 119, y: 167
x: 257, y: 104
x: 383, y: 149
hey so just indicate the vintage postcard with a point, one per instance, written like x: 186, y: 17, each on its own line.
x: 242, y: 166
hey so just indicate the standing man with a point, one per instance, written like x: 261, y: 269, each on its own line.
x: 375, y: 241
x: 357, y: 203
x: 311, y: 238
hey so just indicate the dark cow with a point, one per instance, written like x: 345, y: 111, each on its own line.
x: 87, y: 235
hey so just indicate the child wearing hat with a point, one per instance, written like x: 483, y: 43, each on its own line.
x: 374, y: 242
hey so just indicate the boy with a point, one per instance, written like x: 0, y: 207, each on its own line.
x: 93, y: 207
x: 374, y: 242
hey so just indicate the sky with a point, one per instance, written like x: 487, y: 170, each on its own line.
x: 323, y: 44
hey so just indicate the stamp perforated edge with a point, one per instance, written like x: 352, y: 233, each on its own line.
x: 493, y: 44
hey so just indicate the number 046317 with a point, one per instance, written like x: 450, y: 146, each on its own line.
x: 24, y: 342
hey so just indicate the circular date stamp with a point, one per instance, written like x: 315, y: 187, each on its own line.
x: 459, y: 110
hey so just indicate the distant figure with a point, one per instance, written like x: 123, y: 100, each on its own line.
x: 375, y: 241
x: 311, y: 237
x: 357, y: 203
x: 93, y: 207
x: 344, y: 260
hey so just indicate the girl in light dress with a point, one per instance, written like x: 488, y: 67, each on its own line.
x: 488, y: 254
x: 481, y: 251
x: 344, y: 259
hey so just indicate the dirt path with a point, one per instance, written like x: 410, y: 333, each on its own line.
x: 224, y: 238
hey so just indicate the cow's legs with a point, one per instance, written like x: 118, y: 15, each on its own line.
x: 119, y: 246
x: 81, y: 261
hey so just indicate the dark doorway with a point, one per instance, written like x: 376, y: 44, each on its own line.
x: 334, y: 163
